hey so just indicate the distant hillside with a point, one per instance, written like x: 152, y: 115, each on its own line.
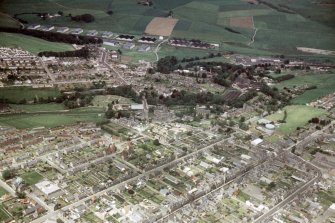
x: 278, y: 26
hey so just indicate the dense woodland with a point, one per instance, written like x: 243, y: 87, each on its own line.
x: 83, y: 53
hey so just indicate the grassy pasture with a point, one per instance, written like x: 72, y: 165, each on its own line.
x: 275, y: 40
x: 197, y: 11
x: 16, y: 94
x: 239, y: 5
x: 133, y: 56
x: 2, y: 192
x: 325, y: 85
x: 312, y: 10
x: 49, y: 120
x: 297, y: 116
x: 183, y: 25
x: 7, y: 21
x: 238, y: 13
x: 31, y: 44
x: 171, y: 4
x: 209, y: 32
x: 38, y: 107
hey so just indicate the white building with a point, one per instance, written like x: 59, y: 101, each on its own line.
x: 256, y: 142
x: 49, y: 189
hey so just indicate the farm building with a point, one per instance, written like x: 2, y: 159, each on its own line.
x: 77, y: 31
x: 110, y: 43
x: 106, y: 34
x: 128, y: 46
x: 63, y: 29
x: 147, y: 39
x: 47, y: 28
x: 144, y: 48
x: 125, y: 37
x: 92, y: 33
x: 34, y: 26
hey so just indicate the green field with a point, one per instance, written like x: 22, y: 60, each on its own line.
x: 326, y: 198
x: 16, y: 94
x: 8, y: 21
x: 133, y: 56
x: 31, y: 44
x: 32, y: 177
x: 297, y: 116
x: 2, y: 192
x: 325, y: 85
x: 38, y: 107
x: 50, y: 120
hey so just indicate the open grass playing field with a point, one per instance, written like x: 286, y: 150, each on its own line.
x: 38, y: 107
x: 31, y: 44
x: 32, y: 177
x: 325, y: 85
x: 16, y: 94
x: 297, y: 116
x: 50, y: 120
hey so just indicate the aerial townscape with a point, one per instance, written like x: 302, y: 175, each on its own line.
x: 167, y: 111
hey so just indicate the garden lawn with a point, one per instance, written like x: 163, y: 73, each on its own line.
x: 32, y: 177
x: 297, y: 116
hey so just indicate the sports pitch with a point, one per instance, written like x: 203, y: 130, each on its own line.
x: 297, y: 116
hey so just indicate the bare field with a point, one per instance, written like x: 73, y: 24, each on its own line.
x: 160, y: 26
x: 316, y: 51
x: 243, y: 22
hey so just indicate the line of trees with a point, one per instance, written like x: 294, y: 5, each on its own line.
x: 191, y: 59
x: 83, y: 52
x: 88, y: 18
x: 284, y: 77
x: 125, y: 91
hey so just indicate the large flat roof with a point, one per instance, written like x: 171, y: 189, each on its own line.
x: 47, y: 187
